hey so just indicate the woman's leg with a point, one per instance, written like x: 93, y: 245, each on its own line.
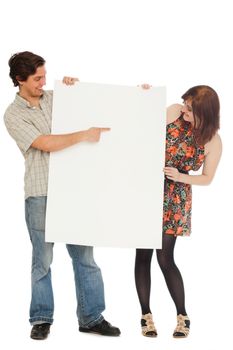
x: 143, y: 277
x: 171, y: 272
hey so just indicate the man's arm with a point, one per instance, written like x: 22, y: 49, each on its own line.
x: 52, y: 143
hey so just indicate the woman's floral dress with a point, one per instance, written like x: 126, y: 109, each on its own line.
x: 183, y: 153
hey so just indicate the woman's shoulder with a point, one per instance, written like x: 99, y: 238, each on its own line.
x: 214, y: 145
x: 173, y: 112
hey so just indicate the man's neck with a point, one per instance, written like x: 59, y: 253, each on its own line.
x: 34, y: 101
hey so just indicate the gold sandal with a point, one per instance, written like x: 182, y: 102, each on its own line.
x: 148, y: 327
x: 182, y: 328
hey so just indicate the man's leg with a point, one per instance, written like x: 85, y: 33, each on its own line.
x: 89, y: 285
x: 42, y: 304
x: 89, y: 291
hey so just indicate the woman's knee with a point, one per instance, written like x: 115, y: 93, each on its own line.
x: 165, y: 261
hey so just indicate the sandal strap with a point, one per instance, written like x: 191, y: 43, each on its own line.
x: 149, y: 324
x: 182, y: 326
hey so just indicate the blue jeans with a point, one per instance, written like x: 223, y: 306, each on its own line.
x: 87, y: 275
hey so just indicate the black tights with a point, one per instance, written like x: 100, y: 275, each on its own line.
x: 169, y: 269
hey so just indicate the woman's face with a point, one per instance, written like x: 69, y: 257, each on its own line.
x: 188, y: 111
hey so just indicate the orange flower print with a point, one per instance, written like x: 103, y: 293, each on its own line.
x: 177, y: 199
x: 171, y: 188
x: 169, y: 231
x: 175, y: 133
x: 177, y: 217
x: 167, y: 216
x: 172, y: 150
x: 179, y: 230
x: 190, y: 152
x: 187, y: 205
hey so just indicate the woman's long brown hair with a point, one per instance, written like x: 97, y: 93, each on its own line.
x: 206, y: 111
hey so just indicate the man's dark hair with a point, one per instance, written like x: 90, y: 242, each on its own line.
x: 23, y: 64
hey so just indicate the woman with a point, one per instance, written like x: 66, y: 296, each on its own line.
x: 191, y: 141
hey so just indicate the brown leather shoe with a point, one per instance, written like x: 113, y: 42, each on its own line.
x: 40, y: 331
x: 102, y: 328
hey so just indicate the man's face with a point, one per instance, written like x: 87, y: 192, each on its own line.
x: 33, y: 86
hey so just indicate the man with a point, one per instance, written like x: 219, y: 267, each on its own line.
x: 28, y: 121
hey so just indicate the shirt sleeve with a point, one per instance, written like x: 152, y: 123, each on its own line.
x: 23, y: 132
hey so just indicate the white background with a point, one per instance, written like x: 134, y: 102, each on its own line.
x: 174, y: 43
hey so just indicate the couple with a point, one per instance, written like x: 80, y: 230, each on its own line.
x: 191, y: 141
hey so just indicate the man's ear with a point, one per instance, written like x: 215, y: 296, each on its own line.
x: 19, y: 79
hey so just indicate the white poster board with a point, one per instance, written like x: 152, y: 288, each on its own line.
x: 108, y: 193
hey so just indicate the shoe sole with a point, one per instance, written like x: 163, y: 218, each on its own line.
x: 150, y: 336
x: 39, y: 338
x: 181, y: 336
x: 86, y: 330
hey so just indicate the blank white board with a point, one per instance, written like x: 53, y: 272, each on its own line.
x: 108, y: 193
